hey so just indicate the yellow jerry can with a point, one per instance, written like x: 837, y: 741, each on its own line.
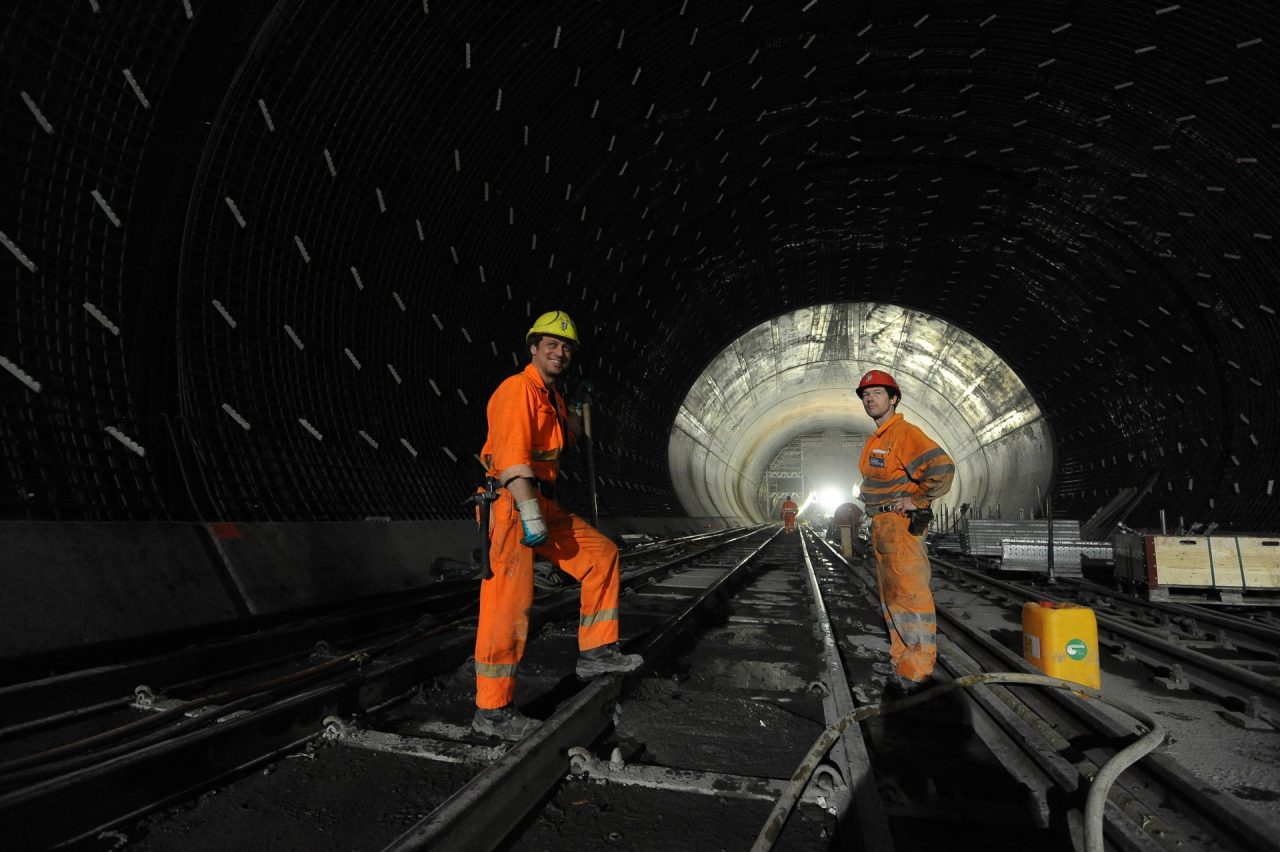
x: 1061, y: 640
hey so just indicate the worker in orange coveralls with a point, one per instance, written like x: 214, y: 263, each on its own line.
x: 789, y: 509
x: 903, y: 472
x: 529, y: 424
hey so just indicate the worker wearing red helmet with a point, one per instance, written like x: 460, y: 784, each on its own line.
x: 529, y: 424
x: 903, y: 470
x: 789, y: 510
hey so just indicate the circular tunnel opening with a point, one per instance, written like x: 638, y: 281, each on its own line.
x: 789, y: 382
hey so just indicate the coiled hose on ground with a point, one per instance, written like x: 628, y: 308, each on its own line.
x: 1101, y: 783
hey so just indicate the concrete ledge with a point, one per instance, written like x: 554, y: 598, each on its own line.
x: 71, y: 583
x: 282, y: 567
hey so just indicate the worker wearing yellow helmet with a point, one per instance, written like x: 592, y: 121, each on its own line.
x: 529, y: 425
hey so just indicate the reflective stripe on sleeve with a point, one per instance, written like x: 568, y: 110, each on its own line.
x: 496, y: 669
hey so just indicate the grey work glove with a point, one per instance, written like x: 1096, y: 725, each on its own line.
x: 535, y: 528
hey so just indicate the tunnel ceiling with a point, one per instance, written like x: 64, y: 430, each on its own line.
x: 269, y: 259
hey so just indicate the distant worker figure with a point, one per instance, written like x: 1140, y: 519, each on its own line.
x: 789, y: 509
x: 528, y: 426
x: 903, y: 472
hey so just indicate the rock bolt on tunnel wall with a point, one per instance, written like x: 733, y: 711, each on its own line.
x: 266, y: 260
x: 795, y: 375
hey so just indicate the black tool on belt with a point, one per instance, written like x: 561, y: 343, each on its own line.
x: 920, y: 520
x: 483, y: 500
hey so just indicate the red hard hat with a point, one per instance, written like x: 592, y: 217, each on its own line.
x: 878, y: 379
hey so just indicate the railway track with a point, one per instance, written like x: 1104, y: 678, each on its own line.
x: 755, y: 643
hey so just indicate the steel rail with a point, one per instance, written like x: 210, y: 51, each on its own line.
x: 483, y: 812
x: 1025, y: 729
x: 1212, y: 676
x: 1221, y: 810
x: 1240, y: 631
x: 850, y: 751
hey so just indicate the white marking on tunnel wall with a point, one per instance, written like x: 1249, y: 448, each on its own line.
x: 394, y: 374
x: 302, y: 249
x: 106, y: 208
x: 126, y: 440
x: 315, y: 433
x: 235, y: 211
x: 235, y: 415
x: 463, y: 397
x: 382, y: 203
x: 448, y: 452
x: 409, y: 447
x: 20, y: 374
x: 434, y: 386
x: 439, y: 324
x: 17, y: 252
x: 328, y: 160
x: 102, y: 318
x: 354, y: 360
x: 137, y: 90
x: 368, y: 440
x: 187, y: 10
x: 355, y: 273
x: 266, y: 116
x: 399, y: 301
x: 294, y: 337
x: 35, y: 111
x: 418, y: 224
x: 225, y: 315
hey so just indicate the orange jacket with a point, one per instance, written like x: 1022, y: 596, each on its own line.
x: 526, y: 426
x: 899, y: 460
x: 789, y: 507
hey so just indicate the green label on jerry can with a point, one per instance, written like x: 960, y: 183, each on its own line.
x: 1077, y: 649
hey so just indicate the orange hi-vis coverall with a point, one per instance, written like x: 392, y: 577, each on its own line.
x: 527, y: 426
x: 899, y: 460
x: 789, y: 509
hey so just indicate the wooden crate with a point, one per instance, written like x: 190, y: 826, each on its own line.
x: 1191, y: 566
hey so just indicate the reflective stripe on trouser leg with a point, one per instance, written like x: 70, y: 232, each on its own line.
x: 592, y: 559
x: 902, y: 569
x: 505, y: 599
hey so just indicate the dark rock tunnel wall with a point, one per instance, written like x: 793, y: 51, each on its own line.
x: 266, y: 261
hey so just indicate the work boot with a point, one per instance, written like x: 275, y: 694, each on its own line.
x: 507, y: 723
x: 606, y: 659
x: 898, y: 687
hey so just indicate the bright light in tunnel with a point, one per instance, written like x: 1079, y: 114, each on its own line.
x: 830, y: 499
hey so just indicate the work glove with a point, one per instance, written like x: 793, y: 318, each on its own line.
x: 535, y: 528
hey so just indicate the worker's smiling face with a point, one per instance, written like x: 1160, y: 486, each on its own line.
x: 551, y: 356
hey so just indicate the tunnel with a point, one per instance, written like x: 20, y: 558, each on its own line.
x: 265, y: 262
x: 796, y: 375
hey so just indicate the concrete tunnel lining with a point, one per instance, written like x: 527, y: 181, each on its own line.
x: 795, y: 374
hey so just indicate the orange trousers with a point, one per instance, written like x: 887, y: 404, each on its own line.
x: 505, y: 598
x: 902, y: 572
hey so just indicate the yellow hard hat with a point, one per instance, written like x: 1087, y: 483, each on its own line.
x: 556, y: 323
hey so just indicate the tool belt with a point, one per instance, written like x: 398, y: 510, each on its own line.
x: 918, y: 520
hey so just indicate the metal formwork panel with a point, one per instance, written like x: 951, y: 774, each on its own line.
x: 983, y: 537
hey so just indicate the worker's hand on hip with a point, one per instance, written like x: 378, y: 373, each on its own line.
x: 902, y: 505
x: 531, y: 521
